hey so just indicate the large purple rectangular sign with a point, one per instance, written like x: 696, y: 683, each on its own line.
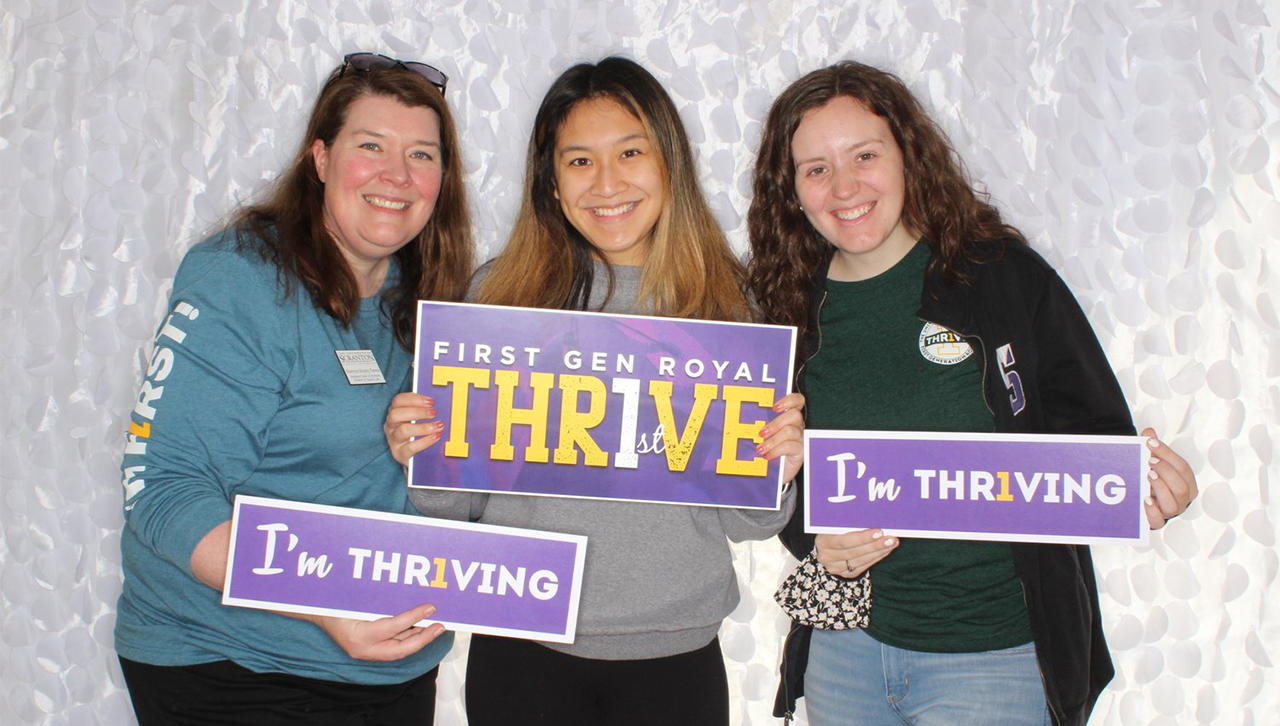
x: 601, y: 406
x: 1002, y: 487
x: 323, y: 560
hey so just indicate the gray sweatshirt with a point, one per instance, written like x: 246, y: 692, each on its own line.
x: 658, y: 578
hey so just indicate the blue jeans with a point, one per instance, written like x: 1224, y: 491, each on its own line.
x: 852, y: 678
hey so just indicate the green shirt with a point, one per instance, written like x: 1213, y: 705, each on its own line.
x: 881, y: 368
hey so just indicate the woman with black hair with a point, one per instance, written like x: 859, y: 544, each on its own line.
x: 613, y: 220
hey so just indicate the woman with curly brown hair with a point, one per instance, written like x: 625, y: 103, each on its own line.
x: 866, y: 232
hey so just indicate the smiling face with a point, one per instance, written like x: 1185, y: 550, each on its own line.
x: 381, y: 178
x: 609, y: 179
x: 849, y: 180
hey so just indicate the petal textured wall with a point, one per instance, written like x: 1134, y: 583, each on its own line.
x: 1132, y: 144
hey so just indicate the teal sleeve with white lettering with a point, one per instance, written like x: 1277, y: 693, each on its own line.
x: 211, y: 388
x: 245, y: 394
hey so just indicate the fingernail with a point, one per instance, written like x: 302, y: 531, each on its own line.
x: 877, y: 534
x: 759, y: 448
x: 1154, y: 461
x: 891, y: 542
x: 431, y: 412
x: 1151, y: 501
x: 439, y: 425
x: 1153, y: 443
x: 1152, y: 475
x: 431, y: 610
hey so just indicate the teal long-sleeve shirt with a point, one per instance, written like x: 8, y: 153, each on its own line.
x: 244, y: 394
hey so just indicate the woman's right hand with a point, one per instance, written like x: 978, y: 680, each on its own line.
x: 853, y: 553
x: 407, y: 427
x: 390, y: 638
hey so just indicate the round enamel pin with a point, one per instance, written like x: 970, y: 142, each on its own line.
x: 943, y: 346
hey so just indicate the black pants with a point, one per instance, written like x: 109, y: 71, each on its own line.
x: 517, y: 683
x: 223, y: 693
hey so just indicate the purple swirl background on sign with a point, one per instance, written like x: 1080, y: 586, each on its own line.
x: 760, y: 348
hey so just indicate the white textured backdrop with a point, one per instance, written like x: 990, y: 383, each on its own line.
x: 1137, y: 144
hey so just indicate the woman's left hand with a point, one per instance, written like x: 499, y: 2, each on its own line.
x: 408, y: 427
x: 1173, y: 484
x: 784, y: 435
x: 384, y: 639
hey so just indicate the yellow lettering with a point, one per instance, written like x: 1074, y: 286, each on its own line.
x: 736, y: 430
x: 534, y: 417
x: 439, y: 581
x: 462, y: 380
x: 574, y: 424
x: 1004, y: 495
x: 680, y: 447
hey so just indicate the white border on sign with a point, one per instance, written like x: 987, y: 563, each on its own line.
x: 575, y: 592
x: 417, y: 348
x: 1144, y: 530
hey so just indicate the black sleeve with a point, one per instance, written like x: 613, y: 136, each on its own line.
x: 1078, y: 388
x: 794, y: 538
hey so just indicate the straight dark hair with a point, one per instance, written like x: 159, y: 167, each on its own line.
x: 689, y: 270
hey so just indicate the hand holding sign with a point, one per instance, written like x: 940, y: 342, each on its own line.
x: 996, y: 487
x: 602, y: 406
x: 853, y: 553
x: 784, y: 435
x: 384, y: 639
x: 1174, y: 485
x: 409, y: 431
x: 407, y: 427
x: 351, y: 571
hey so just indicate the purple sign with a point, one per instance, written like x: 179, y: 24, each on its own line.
x: 601, y: 406
x: 1002, y: 487
x: 323, y: 560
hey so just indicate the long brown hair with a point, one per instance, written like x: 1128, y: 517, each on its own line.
x: 689, y: 270
x: 288, y: 227
x: 941, y: 203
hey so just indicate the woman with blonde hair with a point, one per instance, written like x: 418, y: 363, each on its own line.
x: 613, y: 220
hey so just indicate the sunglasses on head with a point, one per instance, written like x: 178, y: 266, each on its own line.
x: 379, y: 62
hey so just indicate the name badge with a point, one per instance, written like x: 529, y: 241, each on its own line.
x: 360, y: 367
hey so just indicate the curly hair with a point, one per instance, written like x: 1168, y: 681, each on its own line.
x: 940, y: 201
x: 288, y: 227
x: 689, y: 271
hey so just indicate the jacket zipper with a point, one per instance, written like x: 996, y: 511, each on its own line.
x: 1026, y: 603
x: 786, y: 681
x: 789, y: 714
x: 980, y: 349
x: 1053, y: 714
x: 1044, y: 684
x: 817, y: 326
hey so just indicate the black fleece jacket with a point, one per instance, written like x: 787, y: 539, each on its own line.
x: 1043, y: 372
